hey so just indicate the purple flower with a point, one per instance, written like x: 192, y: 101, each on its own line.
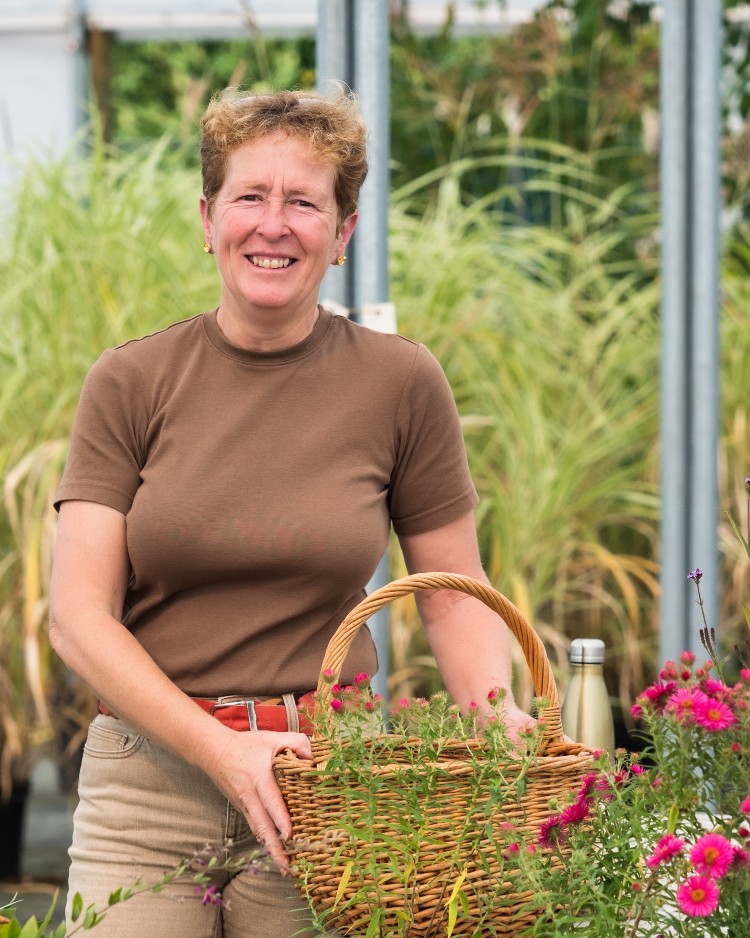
x: 695, y: 575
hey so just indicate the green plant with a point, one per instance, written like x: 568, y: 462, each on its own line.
x: 197, y: 869
x: 409, y: 819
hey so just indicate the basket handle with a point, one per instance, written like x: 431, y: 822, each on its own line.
x: 531, y: 645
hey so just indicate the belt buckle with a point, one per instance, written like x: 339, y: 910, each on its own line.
x: 247, y: 702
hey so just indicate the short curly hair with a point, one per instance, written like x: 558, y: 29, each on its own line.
x: 331, y: 126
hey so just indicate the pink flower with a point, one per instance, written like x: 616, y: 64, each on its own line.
x: 698, y: 896
x: 745, y: 806
x: 712, y: 855
x: 684, y: 703
x: 687, y: 657
x: 659, y: 692
x: 336, y: 705
x: 637, y: 769
x: 741, y: 857
x: 210, y: 895
x: 714, y: 687
x: 745, y: 675
x: 361, y: 678
x: 714, y: 715
x: 636, y: 711
x: 552, y: 831
x: 669, y: 846
x: 576, y: 812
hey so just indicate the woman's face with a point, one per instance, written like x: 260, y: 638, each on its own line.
x: 274, y: 229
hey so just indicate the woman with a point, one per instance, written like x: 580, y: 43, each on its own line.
x: 230, y: 489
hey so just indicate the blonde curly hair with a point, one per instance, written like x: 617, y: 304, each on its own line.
x: 331, y: 126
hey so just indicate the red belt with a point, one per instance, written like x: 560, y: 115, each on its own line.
x: 251, y: 714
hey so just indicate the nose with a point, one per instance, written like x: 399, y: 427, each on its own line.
x: 272, y: 222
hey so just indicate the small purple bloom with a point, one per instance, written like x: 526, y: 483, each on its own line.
x: 695, y: 575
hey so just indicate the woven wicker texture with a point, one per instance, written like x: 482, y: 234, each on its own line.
x: 332, y: 823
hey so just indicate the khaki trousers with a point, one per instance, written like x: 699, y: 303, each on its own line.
x: 141, y: 812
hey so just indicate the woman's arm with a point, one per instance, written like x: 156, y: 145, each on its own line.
x: 471, y: 643
x: 89, y: 578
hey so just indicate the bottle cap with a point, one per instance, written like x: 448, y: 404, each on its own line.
x: 587, y: 651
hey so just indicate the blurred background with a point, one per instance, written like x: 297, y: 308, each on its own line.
x: 524, y: 248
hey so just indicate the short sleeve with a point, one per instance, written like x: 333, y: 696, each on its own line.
x: 431, y: 483
x: 106, y: 450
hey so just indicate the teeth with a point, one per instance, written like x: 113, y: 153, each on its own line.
x: 270, y: 263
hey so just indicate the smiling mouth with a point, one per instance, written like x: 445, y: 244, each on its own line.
x: 270, y: 263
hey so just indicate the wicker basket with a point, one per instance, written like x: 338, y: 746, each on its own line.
x: 422, y: 893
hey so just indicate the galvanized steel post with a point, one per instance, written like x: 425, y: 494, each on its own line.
x: 352, y: 45
x: 690, y: 120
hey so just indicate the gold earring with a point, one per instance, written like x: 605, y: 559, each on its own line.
x: 341, y: 260
x: 206, y: 247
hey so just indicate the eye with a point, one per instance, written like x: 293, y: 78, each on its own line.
x: 250, y: 197
x: 302, y: 203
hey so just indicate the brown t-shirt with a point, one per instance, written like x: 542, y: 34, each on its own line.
x: 259, y: 489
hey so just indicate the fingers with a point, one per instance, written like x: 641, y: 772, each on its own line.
x: 261, y: 800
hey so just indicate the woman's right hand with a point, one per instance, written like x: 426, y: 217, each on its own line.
x: 241, y: 765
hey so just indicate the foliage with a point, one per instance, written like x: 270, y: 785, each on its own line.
x: 198, y: 869
x: 411, y: 821
x: 668, y: 831
x: 669, y: 834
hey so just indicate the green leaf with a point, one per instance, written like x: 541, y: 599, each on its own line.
x: 115, y: 897
x: 61, y: 931
x: 77, y: 907
x: 674, y: 817
x: 452, y: 904
x: 374, y: 926
x: 345, y: 877
x: 91, y: 917
x: 30, y: 929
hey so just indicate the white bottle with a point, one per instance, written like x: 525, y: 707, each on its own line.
x: 586, y: 710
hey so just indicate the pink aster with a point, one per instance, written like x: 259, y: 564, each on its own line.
x: 741, y: 857
x: 669, y: 846
x: 716, y: 688
x: 684, y: 702
x: 659, y: 692
x: 745, y: 806
x: 576, y: 812
x: 698, y: 896
x: 712, y: 855
x: 552, y: 831
x: 714, y: 715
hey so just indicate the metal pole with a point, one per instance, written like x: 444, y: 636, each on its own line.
x: 353, y: 47
x: 690, y: 51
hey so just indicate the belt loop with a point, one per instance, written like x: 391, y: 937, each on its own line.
x: 250, y: 704
x: 292, y: 714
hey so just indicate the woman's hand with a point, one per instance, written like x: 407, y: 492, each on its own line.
x: 242, y: 767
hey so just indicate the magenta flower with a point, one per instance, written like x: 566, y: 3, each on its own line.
x: 684, y: 703
x: 745, y: 806
x: 210, y: 895
x: 696, y: 575
x: 576, y: 812
x: 668, y: 847
x: 336, y: 705
x: 741, y: 857
x: 714, y: 715
x: 698, y: 896
x: 658, y: 693
x: 712, y: 855
x: 552, y: 831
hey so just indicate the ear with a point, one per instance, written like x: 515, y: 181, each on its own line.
x: 207, y: 226
x: 345, y: 232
